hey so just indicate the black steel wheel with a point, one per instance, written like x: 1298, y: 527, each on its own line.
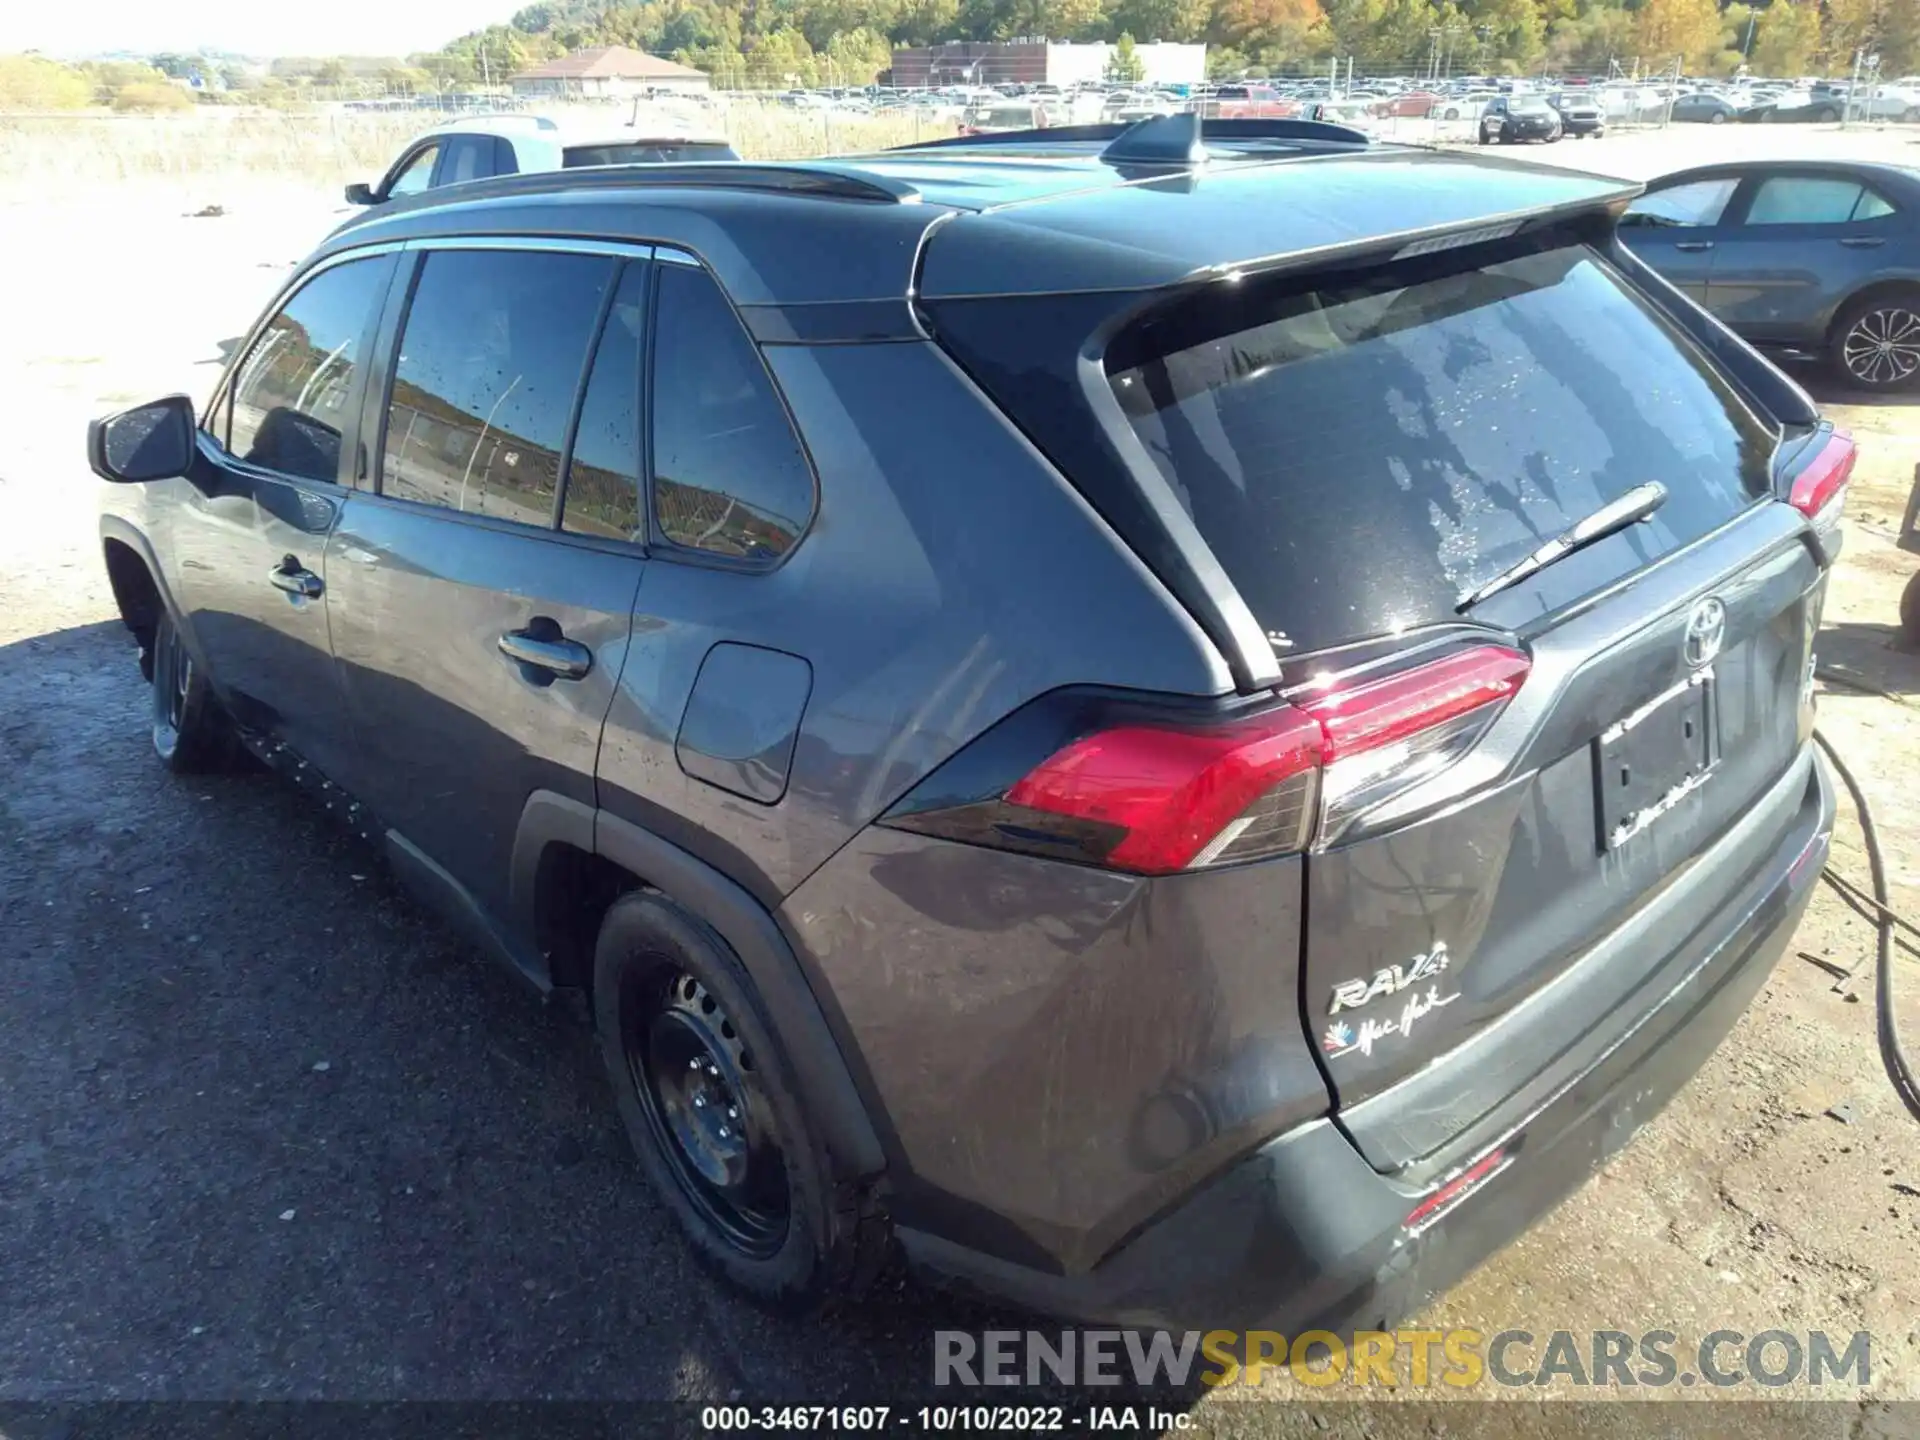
x: 695, y: 1082
x: 721, y: 1127
x: 1877, y: 345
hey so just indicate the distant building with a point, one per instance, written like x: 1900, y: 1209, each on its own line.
x: 1038, y: 62
x: 609, y: 70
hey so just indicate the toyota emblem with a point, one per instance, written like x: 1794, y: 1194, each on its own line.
x: 1706, y: 629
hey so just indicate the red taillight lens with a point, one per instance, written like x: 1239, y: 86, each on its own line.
x: 1390, y: 709
x: 1174, y: 792
x: 1823, y: 479
x: 1183, y: 798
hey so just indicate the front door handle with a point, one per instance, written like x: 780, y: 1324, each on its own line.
x: 1693, y: 247
x: 294, y: 578
x: 1863, y: 242
x: 544, y: 654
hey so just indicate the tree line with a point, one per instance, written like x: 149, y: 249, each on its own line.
x: 848, y: 41
x: 776, y: 43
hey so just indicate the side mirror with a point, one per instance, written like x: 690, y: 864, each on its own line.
x: 361, y: 193
x: 149, y: 442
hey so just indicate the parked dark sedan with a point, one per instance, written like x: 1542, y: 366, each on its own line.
x: 1518, y: 117
x: 1821, y: 110
x: 1820, y: 256
x: 1580, y: 115
x: 1701, y: 108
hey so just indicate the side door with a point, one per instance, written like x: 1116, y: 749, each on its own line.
x: 250, y: 532
x: 1805, y: 242
x: 478, y: 642
x: 1678, y: 228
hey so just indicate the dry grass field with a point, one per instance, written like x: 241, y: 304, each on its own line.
x: 64, y: 154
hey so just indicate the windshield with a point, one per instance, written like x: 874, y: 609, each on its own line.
x: 1527, y: 104
x: 1360, y: 453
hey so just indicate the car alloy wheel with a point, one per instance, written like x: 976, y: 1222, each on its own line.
x: 697, y: 1086
x: 1883, y: 347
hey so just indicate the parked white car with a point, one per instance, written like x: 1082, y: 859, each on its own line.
x: 479, y: 147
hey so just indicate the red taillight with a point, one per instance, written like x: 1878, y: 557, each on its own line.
x: 1382, y: 711
x: 1181, y: 798
x: 1822, y: 479
x: 1173, y: 791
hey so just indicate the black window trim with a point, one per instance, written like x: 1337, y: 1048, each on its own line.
x: 356, y: 400
x: 417, y: 252
x: 659, y: 546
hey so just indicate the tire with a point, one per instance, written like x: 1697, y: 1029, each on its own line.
x: 1910, y: 612
x: 1452, y: 113
x: 1876, y: 342
x: 191, y: 734
x: 1826, y: 116
x: 1911, y: 115
x: 1719, y: 117
x: 724, y: 1138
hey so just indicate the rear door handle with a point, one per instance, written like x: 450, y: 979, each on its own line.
x: 1693, y: 246
x: 1863, y: 242
x: 294, y: 578
x: 544, y: 654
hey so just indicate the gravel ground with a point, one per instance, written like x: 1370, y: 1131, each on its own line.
x: 269, y: 1131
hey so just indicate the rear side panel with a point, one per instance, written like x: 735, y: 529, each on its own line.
x: 1061, y: 1052
x: 913, y: 600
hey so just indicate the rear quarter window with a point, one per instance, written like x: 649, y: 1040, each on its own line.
x: 1363, y: 450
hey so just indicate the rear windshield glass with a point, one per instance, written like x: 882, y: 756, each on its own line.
x: 1363, y: 453
x: 648, y: 152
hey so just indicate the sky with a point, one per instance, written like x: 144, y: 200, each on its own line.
x: 254, y: 27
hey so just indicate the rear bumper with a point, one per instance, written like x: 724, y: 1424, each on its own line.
x: 1304, y: 1233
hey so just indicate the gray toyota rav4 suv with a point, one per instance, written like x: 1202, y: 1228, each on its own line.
x: 1190, y: 727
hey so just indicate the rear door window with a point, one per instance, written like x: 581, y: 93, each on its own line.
x: 603, y: 471
x: 466, y: 157
x: 491, y: 357
x: 1814, y: 200
x: 1362, y: 452
x: 1804, y: 200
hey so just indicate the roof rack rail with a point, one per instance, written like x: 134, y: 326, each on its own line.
x: 1322, y: 131
x: 829, y: 181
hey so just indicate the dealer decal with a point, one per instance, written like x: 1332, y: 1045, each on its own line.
x: 1343, y: 1039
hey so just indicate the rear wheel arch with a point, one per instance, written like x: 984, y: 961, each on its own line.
x: 1906, y: 289
x: 572, y: 863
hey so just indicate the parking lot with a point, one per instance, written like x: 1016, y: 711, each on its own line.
x: 271, y: 1131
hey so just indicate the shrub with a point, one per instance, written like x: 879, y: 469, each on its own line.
x: 32, y: 82
x: 152, y: 96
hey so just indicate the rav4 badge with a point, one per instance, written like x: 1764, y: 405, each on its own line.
x: 1352, y: 994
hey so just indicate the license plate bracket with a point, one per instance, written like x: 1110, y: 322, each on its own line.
x: 1648, y: 762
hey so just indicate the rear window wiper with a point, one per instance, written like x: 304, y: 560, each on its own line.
x: 1635, y: 505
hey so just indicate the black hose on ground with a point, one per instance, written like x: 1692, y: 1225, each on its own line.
x: 1892, y: 1054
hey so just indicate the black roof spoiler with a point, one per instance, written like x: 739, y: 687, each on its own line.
x: 1177, y: 139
